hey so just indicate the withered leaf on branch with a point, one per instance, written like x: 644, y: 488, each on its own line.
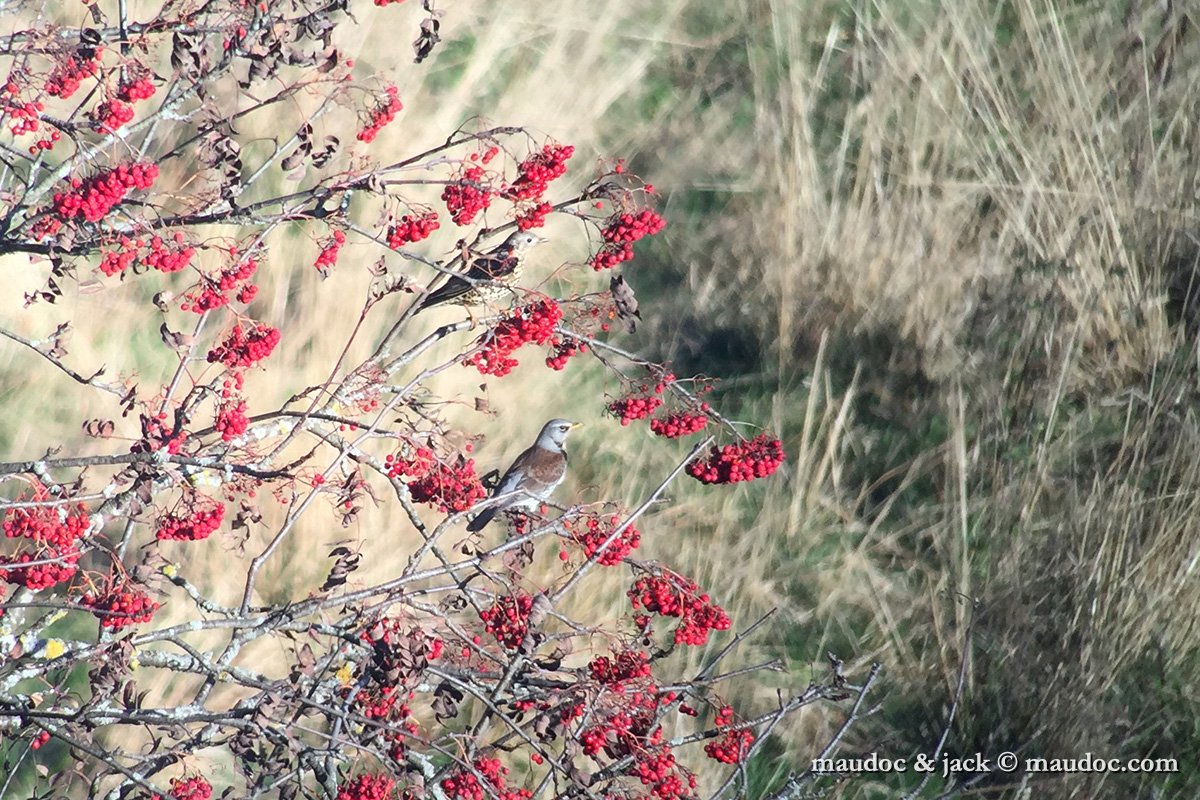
x: 98, y: 428
x: 446, y: 701
x: 149, y: 571
x: 625, y: 301
x: 519, y: 557
x: 452, y: 602
x: 428, y: 38
x: 347, y: 562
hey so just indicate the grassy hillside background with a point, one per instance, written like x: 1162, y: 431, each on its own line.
x: 947, y: 251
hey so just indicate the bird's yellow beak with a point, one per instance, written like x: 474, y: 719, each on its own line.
x: 539, y: 239
x: 575, y: 425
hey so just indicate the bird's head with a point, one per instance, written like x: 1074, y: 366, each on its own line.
x: 554, y: 433
x: 521, y: 241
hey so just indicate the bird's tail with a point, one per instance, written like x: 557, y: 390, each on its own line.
x: 485, y: 516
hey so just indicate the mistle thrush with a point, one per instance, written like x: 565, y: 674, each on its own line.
x: 488, y: 276
x: 535, y: 474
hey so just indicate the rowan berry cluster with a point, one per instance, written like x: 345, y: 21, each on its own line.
x: 467, y: 196
x: 666, y: 779
x: 531, y: 323
x: 117, y: 608
x: 110, y: 115
x: 626, y: 665
x: 53, y: 554
x: 94, y: 198
x: 40, y: 740
x: 412, y: 229
x: 231, y: 421
x: 534, y: 217
x: 671, y: 595
x: 508, y: 619
x: 680, y: 423
x: 329, y: 252
x: 214, y: 291
x: 744, y: 461
x: 734, y: 746
x: 633, y: 407
x: 535, y: 173
x: 619, y: 234
x: 64, y: 80
x: 158, y: 435
x: 160, y: 255
x: 204, y: 518
x: 590, y: 531
x: 133, y: 89
x: 564, y: 350
x: 245, y: 348
x: 367, y: 787
x: 192, y: 787
x: 384, y: 113
x: 463, y: 785
x: 25, y: 115
x: 452, y: 488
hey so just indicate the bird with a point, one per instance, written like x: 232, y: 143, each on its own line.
x: 488, y: 276
x: 536, y: 473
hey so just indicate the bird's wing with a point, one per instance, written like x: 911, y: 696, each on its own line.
x: 490, y: 267
x: 516, y: 473
x: 455, y: 287
x: 545, y: 467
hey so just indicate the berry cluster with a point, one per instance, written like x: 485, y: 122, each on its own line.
x: 591, y: 532
x: 621, y: 232
x: 40, y: 740
x: 681, y: 423
x: 167, y: 259
x: 245, y: 348
x: 626, y: 665
x: 25, y: 115
x: 733, y: 747
x: 633, y: 407
x: 535, y: 173
x: 535, y: 217
x: 463, y: 785
x: 53, y: 536
x: 451, y: 487
x: 160, y: 256
x: 329, y: 252
x: 204, y: 518
x: 467, y: 196
x: 508, y: 619
x: 132, y: 90
x: 667, y: 780
x: 412, y: 229
x: 563, y: 351
x: 367, y: 787
x: 744, y: 461
x: 627, y: 729
x: 671, y: 595
x: 231, y: 419
x: 64, y: 80
x: 117, y: 608
x: 214, y: 290
x: 532, y: 323
x: 158, y: 434
x: 384, y: 113
x: 110, y: 115
x: 192, y: 787
x: 94, y: 198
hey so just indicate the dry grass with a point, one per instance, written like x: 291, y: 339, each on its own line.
x: 983, y: 211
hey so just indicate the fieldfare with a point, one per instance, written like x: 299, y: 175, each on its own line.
x: 535, y: 474
x: 488, y: 276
